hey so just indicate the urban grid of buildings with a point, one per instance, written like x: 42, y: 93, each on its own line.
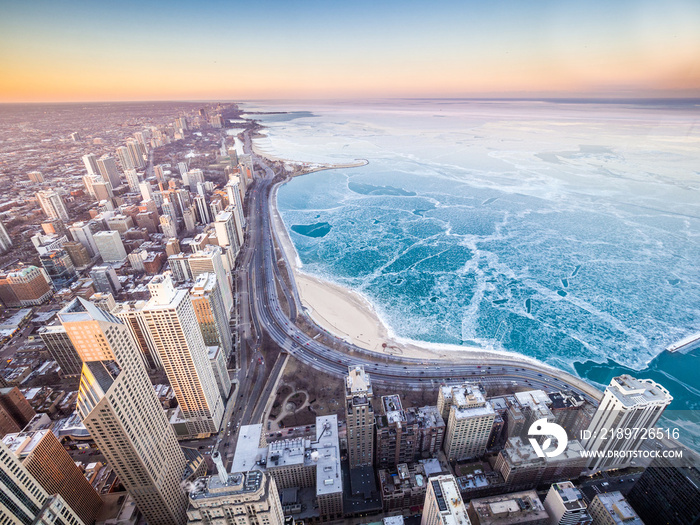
x: 127, y: 291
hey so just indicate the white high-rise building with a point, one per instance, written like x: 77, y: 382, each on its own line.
x: 90, y: 161
x: 469, y: 419
x: 5, y: 240
x: 194, y: 177
x: 146, y: 191
x: 211, y: 259
x: 110, y: 246
x: 228, y: 231
x: 628, y: 403
x: 52, y: 205
x: 169, y: 226
x: 202, y: 208
x: 125, y: 158
x: 119, y: 407
x: 82, y: 232
x: 174, y: 329
x: 235, y: 198
x: 24, y: 501
x: 565, y: 505
x: 132, y: 179
x: 136, y: 152
x: 189, y: 217
x: 108, y: 169
x: 443, y: 502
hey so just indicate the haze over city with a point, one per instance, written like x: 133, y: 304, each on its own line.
x: 80, y: 51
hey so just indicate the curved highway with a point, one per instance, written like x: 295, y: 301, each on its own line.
x: 266, y: 313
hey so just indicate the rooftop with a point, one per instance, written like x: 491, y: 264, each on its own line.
x: 509, y: 508
x: 634, y: 392
x: 449, y: 501
x: 618, y: 509
x: 570, y: 496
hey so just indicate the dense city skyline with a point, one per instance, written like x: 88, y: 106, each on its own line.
x: 165, y: 51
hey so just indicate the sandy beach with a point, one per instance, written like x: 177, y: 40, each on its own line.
x: 349, y: 316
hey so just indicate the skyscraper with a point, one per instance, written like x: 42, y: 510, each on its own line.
x: 119, y: 407
x: 52, y: 205
x: 5, y: 240
x: 25, y: 286
x: 108, y: 169
x: 24, y: 501
x: 36, y: 177
x: 469, y: 418
x: 136, y: 152
x: 90, y: 161
x: 443, y: 503
x: 227, y: 232
x: 174, y: 329
x: 105, y: 279
x: 82, y: 232
x: 59, y: 267
x: 46, y: 459
x: 61, y: 349
x: 359, y: 417
x: 209, y: 308
x: 125, y: 158
x: 211, y: 260
x: 168, y: 225
x: 566, y: 506
x: 628, y: 403
x: 15, y: 410
x: 668, y: 491
x: 110, y: 246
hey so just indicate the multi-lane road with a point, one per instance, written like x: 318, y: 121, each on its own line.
x: 263, y: 280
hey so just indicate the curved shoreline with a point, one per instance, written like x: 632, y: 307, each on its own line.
x: 336, y: 309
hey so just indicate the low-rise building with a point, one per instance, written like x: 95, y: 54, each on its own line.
x: 522, y: 508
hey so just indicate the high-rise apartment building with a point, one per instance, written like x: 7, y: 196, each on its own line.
x: 90, y: 161
x: 108, y: 170
x: 203, y: 211
x: 46, y: 459
x: 405, y: 436
x: 248, y: 498
x: 78, y: 254
x: 180, y: 266
x: 211, y: 312
x: 194, y: 177
x: 174, y: 329
x: 59, y: 267
x: 15, y: 410
x: 52, y: 205
x: 131, y: 314
x: 5, y: 240
x: 82, y: 232
x: 25, y: 286
x: 125, y: 158
x: 105, y: 279
x: 228, y: 230
x: 469, y: 418
x: 119, y: 407
x: 668, y: 491
x: 611, y: 508
x: 36, y: 177
x: 61, y: 349
x: 24, y: 501
x: 102, y: 190
x: 168, y: 225
x: 566, y: 506
x: 136, y: 153
x: 110, y: 246
x: 132, y: 179
x: 443, y: 503
x: 359, y: 417
x: 211, y: 260
x: 189, y: 216
x: 628, y: 403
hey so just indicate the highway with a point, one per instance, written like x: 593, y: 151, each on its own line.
x: 261, y: 287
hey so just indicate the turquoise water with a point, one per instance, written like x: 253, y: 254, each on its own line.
x: 567, y: 232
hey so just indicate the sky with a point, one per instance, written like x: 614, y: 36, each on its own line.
x: 268, y: 49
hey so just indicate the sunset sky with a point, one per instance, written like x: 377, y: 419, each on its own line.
x: 262, y: 49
